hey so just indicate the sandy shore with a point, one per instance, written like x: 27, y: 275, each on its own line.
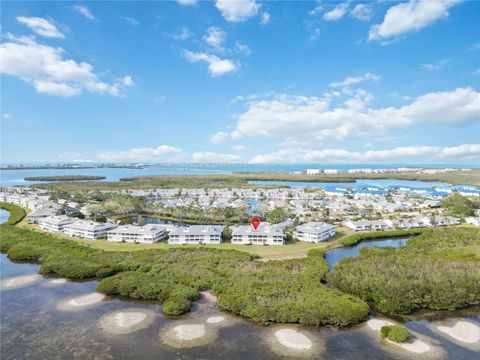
x: 463, y: 331
x: 19, y: 281
x: 293, y: 339
x: 185, y: 335
x: 377, y: 324
x: 126, y: 321
x: 215, y: 319
x: 207, y: 295
x: 292, y: 342
x: 417, y: 346
x: 81, y: 302
x: 54, y: 282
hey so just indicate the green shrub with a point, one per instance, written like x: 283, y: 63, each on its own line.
x: 396, y: 333
x: 176, y: 306
x: 419, y: 275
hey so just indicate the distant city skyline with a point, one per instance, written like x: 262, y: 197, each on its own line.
x: 241, y: 82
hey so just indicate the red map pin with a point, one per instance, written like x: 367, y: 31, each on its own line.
x: 256, y: 220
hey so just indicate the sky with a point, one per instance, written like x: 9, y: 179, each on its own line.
x: 241, y: 81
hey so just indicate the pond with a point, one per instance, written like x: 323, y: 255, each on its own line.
x: 4, y: 215
x: 335, y: 255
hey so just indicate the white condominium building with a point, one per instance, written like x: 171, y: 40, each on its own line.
x: 55, y: 223
x: 367, y: 225
x: 148, y: 233
x: 266, y: 234
x: 88, y: 229
x: 314, y: 232
x: 196, y: 234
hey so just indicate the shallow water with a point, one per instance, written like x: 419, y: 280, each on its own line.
x: 335, y: 255
x: 4, y: 215
x: 32, y: 327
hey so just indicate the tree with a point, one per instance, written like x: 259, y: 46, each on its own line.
x: 227, y: 234
x: 459, y: 205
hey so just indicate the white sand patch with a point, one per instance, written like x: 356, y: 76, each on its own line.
x: 417, y: 346
x: 462, y: 331
x: 215, y: 319
x: 81, y: 302
x: 188, y: 335
x: 294, y: 342
x: 19, y: 281
x: 189, y: 332
x: 293, y: 339
x: 54, y: 282
x: 207, y: 295
x: 126, y: 321
x: 377, y: 324
x: 58, y: 281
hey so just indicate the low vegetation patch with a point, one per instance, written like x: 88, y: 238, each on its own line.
x: 285, y: 291
x: 395, y: 333
x: 438, y: 269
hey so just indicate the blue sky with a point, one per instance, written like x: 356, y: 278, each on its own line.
x: 241, y: 81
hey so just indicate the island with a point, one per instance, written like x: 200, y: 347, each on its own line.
x: 64, y: 178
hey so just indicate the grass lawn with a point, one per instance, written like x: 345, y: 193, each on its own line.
x: 288, y: 251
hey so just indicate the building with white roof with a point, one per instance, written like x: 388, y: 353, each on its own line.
x: 55, y: 223
x: 266, y: 234
x: 473, y: 220
x: 312, y: 171
x: 314, y: 232
x: 196, y: 234
x: 366, y: 225
x: 88, y: 229
x: 148, y: 233
x: 41, y: 213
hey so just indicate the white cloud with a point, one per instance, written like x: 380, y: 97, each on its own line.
x: 84, y: 11
x: 474, y: 47
x: 316, y: 10
x: 41, y: 27
x: 265, y: 18
x: 187, y: 2
x: 160, y: 153
x: 411, y: 16
x: 239, y: 148
x: 216, y: 66
x: 242, y: 48
x: 336, y: 13
x: 131, y: 20
x: 215, y: 37
x: 212, y: 157
x: 46, y: 68
x: 219, y: 137
x: 436, y: 66
x: 312, y: 119
x: 237, y: 10
x: 352, y: 80
x: 184, y: 34
x: 362, y: 12
x: 424, y: 154
x: 7, y: 116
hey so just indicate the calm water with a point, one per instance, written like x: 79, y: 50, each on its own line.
x: 33, y: 328
x: 16, y: 177
x: 4, y: 214
x: 335, y: 255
